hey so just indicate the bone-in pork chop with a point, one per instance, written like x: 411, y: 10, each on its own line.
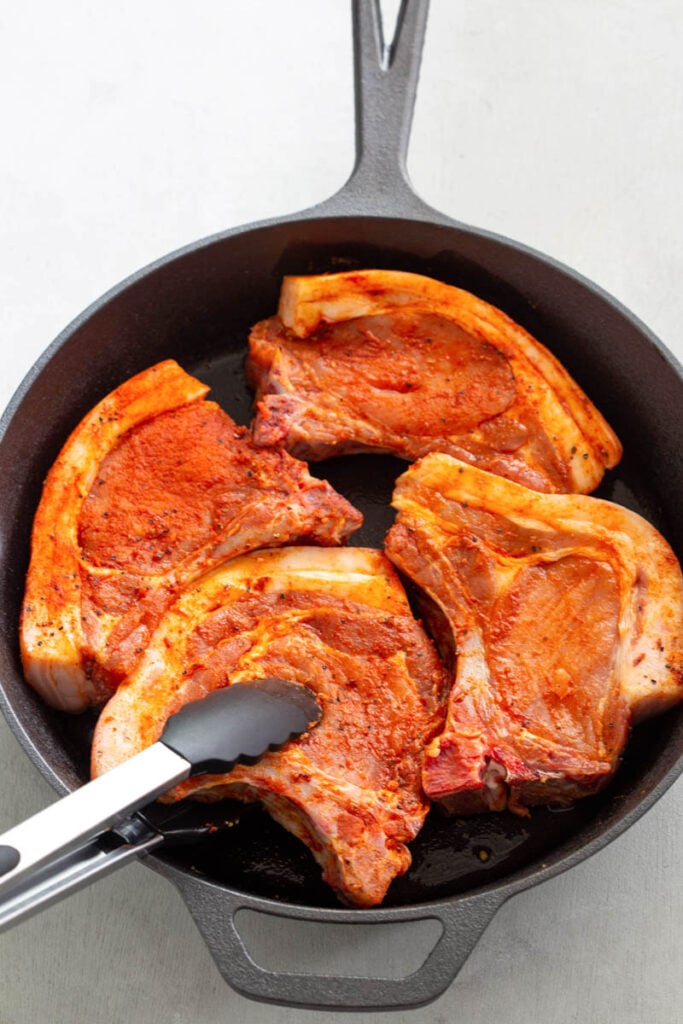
x: 567, y: 617
x: 338, y: 621
x: 385, y: 361
x: 154, y: 487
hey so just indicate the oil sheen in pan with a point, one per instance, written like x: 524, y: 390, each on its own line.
x: 242, y: 847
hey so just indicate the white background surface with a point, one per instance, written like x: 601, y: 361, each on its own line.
x: 130, y: 129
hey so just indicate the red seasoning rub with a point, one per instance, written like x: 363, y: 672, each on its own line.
x: 567, y: 617
x: 386, y: 361
x: 336, y: 620
x: 154, y: 487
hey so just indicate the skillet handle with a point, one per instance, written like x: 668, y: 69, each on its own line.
x: 214, y: 909
x: 385, y: 80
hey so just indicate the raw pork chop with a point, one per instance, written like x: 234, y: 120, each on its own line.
x: 384, y: 361
x: 338, y: 621
x: 154, y: 487
x: 567, y: 616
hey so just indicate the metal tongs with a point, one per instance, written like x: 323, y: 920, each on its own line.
x: 93, y: 830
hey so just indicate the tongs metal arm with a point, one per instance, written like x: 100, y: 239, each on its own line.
x: 72, y: 872
x: 38, y: 849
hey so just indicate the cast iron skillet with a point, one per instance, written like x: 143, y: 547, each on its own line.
x: 196, y: 306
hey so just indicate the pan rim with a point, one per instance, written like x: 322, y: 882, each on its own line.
x: 329, y: 211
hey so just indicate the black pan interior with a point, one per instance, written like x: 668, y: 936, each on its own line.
x: 197, y: 308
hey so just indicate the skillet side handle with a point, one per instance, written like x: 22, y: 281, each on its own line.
x: 463, y: 922
x: 385, y: 80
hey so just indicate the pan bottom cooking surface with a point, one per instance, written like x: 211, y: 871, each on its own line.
x: 239, y: 845
x: 242, y: 847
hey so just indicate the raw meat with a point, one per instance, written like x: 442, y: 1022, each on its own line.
x: 154, y: 487
x: 385, y: 361
x: 338, y: 621
x: 567, y: 617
